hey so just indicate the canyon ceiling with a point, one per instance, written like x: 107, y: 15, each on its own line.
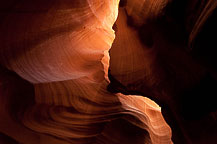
x: 108, y: 72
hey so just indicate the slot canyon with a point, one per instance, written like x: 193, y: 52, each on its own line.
x: 108, y: 72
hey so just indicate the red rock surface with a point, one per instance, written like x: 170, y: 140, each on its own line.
x: 87, y: 72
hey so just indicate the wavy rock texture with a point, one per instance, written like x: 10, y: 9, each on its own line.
x: 82, y: 72
x: 203, y: 11
x: 61, y: 47
x: 150, y: 57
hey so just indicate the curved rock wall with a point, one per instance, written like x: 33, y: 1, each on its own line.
x: 61, y: 48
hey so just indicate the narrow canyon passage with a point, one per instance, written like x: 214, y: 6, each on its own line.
x: 61, y: 52
x: 90, y: 72
x: 153, y: 63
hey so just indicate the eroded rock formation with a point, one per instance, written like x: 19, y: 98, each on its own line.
x: 85, y: 71
x: 63, y: 51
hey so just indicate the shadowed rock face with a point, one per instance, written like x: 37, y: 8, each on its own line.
x: 86, y: 72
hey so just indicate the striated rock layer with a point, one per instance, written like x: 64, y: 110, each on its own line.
x: 151, y: 57
x: 61, y: 48
x: 82, y: 71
